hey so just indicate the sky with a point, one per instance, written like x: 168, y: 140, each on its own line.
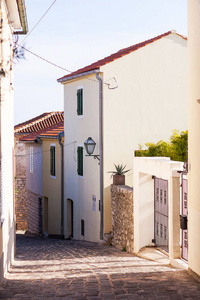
x: 75, y: 33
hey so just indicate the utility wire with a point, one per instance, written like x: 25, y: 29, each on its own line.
x: 53, y: 64
x: 39, y: 152
x: 44, y: 59
x: 38, y: 22
x: 57, y: 66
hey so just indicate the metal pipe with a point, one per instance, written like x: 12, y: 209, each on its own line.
x: 60, y: 135
x: 101, y: 151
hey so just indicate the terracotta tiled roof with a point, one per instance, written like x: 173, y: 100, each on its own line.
x: 51, y: 132
x: 40, y: 122
x: 117, y: 55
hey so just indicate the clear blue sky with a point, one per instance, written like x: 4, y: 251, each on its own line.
x: 75, y: 33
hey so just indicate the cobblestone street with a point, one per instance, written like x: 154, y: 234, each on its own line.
x: 59, y: 269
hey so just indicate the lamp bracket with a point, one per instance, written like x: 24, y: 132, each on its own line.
x: 95, y: 156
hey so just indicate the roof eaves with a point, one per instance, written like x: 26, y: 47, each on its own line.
x: 23, y: 17
x: 75, y: 76
x: 47, y: 136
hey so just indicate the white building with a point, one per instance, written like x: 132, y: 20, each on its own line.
x: 144, y: 97
x: 193, y: 135
x: 13, y: 20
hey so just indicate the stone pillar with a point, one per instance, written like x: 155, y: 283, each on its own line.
x: 122, y: 217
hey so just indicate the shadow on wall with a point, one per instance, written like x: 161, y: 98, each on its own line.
x: 6, y: 261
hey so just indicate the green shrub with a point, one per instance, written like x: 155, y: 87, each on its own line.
x: 175, y: 148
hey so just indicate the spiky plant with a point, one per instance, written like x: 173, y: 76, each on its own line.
x: 119, y: 170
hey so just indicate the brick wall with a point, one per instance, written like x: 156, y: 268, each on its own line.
x: 122, y: 217
x: 33, y: 212
x: 20, y: 203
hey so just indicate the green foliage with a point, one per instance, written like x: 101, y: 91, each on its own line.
x: 175, y: 148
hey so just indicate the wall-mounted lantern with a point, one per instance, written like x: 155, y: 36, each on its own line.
x: 89, y: 147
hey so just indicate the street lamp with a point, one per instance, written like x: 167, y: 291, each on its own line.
x: 89, y: 147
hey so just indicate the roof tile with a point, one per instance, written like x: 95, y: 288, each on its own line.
x: 51, y: 132
x: 117, y: 55
x: 39, y: 123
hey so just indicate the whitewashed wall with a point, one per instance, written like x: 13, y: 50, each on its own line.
x: 34, y: 179
x: 149, y: 102
x: 144, y: 169
x: 7, y: 221
x: 77, y: 129
x: 194, y: 135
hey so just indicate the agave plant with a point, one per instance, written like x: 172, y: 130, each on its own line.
x: 119, y: 170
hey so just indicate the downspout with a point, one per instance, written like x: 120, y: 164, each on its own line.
x: 60, y: 135
x: 101, y: 151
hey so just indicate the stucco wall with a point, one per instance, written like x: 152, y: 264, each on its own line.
x: 7, y: 224
x: 52, y: 186
x: 152, y: 89
x: 122, y: 217
x: 80, y: 189
x: 34, y: 179
x: 145, y: 170
x: 33, y: 186
x: 194, y: 135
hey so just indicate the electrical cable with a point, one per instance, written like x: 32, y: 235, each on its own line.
x: 57, y: 66
x: 39, y: 152
x: 44, y: 59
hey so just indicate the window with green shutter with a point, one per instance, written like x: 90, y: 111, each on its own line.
x: 53, y: 161
x: 80, y: 102
x: 80, y: 161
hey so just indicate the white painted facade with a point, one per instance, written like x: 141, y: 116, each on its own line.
x: 149, y: 102
x: 145, y: 170
x: 194, y: 135
x: 10, y: 23
x: 34, y: 168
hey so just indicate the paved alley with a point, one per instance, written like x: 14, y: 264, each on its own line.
x: 59, y: 269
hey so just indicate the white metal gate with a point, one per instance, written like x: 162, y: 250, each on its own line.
x: 161, y: 213
x: 184, y: 211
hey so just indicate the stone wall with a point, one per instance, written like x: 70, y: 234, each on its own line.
x: 20, y: 203
x: 20, y: 159
x: 122, y: 217
x: 20, y: 185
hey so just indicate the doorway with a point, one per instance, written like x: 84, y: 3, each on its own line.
x: 70, y: 214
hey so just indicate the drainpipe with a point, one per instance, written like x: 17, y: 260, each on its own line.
x: 101, y: 150
x: 60, y: 135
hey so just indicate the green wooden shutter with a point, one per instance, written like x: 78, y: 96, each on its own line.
x: 80, y: 161
x: 52, y: 160
x: 80, y: 102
